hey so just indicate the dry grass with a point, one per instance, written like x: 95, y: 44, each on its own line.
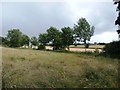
x: 90, y: 46
x: 35, y: 69
x: 0, y: 67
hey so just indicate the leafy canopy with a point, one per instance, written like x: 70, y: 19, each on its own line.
x: 83, y: 30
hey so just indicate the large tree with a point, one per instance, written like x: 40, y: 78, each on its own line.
x: 83, y: 31
x: 117, y: 22
x: 43, y: 39
x: 3, y: 41
x: 25, y: 40
x: 54, y: 36
x: 67, y: 36
x: 14, y: 37
x: 34, y: 41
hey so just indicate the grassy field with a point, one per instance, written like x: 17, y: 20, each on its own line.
x: 35, y: 69
x: 90, y: 46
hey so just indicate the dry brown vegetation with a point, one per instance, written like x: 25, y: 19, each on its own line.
x: 81, y: 48
x: 34, y: 69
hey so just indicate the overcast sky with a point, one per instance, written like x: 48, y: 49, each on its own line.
x: 36, y: 17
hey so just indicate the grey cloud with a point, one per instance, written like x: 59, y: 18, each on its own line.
x: 35, y: 18
x: 102, y: 16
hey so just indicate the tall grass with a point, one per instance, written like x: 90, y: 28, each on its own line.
x: 42, y: 69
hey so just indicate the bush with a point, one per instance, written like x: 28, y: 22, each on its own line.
x: 101, y: 43
x: 41, y: 47
x: 112, y: 49
x: 86, y: 45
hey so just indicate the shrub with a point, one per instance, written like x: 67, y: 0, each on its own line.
x: 101, y: 43
x: 112, y: 49
x: 41, y: 47
x: 86, y: 45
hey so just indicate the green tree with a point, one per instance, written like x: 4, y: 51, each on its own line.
x: 3, y: 41
x: 55, y: 37
x: 14, y: 37
x: 34, y: 41
x: 25, y: 40
x: 67, y: 36
x: 43, y: 39
x: 112, y: 49
x: 83, y: 31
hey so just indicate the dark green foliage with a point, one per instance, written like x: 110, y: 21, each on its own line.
x: 83, y: 31
x: 0, y: 40
x: 101, y: 43
x: 59, y: 40
x: 25, y: 40
x: 112, y: 49
x: 117, y: 22
x: 14, y: 38
x: 34, y: 41
x: 4, y: 41
x: 43, y: 39
x: 55, y: 37
x: 67, y: 36
x: 87, y: 45
x: 41, y: 47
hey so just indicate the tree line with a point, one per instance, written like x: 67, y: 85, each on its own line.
x: 58, y: 39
